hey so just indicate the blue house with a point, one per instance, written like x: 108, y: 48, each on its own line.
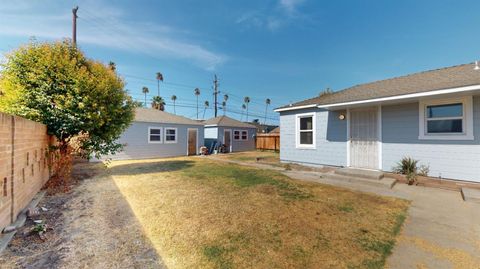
x: 234, y: 134
x: 431, y: 116
x: 156, y: 134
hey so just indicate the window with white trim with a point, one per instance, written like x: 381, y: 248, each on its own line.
x: 236, y: 135
x: 154, y: 135
x: 240, y: 135
x: 244, y: 135
x: 448, y: 119
x: 305, y: 131
x: 170, y: 135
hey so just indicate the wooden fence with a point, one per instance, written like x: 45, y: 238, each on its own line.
x: 268, y: 141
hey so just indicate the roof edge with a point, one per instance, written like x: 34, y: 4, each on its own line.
x: 406, y: 96
x: 294, y: 108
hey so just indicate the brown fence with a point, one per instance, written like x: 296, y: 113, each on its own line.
x: 24, y: 164
x: 268, y: 141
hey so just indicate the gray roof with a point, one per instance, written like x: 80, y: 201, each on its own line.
x: 438, y: 79
x: 227, y: 122
x: 157, y: 116
x: 276, y: 130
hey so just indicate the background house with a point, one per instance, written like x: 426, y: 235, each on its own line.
x: 262, y: 128
x: 236, y: 135
x: 154, y: 133
x: 432, y: 116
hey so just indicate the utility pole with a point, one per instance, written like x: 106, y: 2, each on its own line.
x: 74, y: 30
x: 215, y: 92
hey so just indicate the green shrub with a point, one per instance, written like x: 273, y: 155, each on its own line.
x: 408, y: 167
x: 423, y: 170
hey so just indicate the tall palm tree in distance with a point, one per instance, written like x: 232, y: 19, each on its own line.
x: 174, y: 98
x: 159, y: 78
x: 224, y: 103
x: 246, y: 100
x: 224, y: 107
x: 243, y: 108
x: 207, y: 104
x: 267, y: 103
x: 158, y: 103
x: 145, y: 91
x: 112, y: 66
x: 197, y: 93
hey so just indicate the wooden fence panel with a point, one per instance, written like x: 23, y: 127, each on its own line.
x: 268, y: 141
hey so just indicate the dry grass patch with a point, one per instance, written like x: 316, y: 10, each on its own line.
x: 203, y: 214
x: 266, y: 157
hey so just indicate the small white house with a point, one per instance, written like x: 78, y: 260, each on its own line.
x: 234, y: 134
x: 154, y: 133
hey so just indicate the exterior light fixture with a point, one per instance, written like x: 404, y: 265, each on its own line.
x: 341, y: 117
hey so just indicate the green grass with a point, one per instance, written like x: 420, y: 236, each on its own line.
x: 247, y: 178
x: 382, y: 248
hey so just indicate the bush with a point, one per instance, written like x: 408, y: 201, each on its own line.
x: 406, y: 166
x: 423, y: 170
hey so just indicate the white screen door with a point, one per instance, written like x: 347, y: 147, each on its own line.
x: 364, y: 138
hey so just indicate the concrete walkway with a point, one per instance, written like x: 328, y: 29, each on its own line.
x: 441, y: 231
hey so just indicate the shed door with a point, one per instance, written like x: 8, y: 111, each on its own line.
x: 227, y: 139
x: 192, y: 141
x: 364, y: 138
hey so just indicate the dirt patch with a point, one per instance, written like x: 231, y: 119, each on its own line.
x: 90, y: 227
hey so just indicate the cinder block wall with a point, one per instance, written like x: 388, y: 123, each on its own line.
x: 26, y: 144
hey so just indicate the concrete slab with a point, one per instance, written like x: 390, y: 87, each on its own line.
x: 382, y: 183
x: 471, y: 195
x: 360, y: 173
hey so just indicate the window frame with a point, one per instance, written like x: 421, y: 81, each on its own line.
x: 298, y: 117
x: 240, y: 135
x: 165, y: 135
x: 161, y: 135
x: 467, y: 119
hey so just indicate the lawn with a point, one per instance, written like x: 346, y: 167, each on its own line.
x: 268, y: 157
x: 198, y: 213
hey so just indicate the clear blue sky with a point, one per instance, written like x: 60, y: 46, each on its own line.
x: 286, y: 50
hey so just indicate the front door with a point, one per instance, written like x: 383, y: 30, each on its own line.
x: 227, y: 139
x: 364, y: 138
x: 192, y: 142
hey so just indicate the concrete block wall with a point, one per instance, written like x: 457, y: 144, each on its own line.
x: 24, y: 165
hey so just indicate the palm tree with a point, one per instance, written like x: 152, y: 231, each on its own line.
x: 197, y: 93
x: 158, y: 103
x: 243, y: 108
x: 246, y: 100
x: 159, y: 78
x: 224, y: 107
x: 112, y: 66
x: 224, y: 103
x: 145, y: 91
x: 207, y: 104
x: 267, y: 103
x: 174, y: 98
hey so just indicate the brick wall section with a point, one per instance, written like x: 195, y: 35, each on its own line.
x: 29, y: 171
x: 5, y: 169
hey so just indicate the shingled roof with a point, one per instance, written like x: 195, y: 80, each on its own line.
x: 225, y: 121
x: 157, y: 116
x: 438, y: 79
